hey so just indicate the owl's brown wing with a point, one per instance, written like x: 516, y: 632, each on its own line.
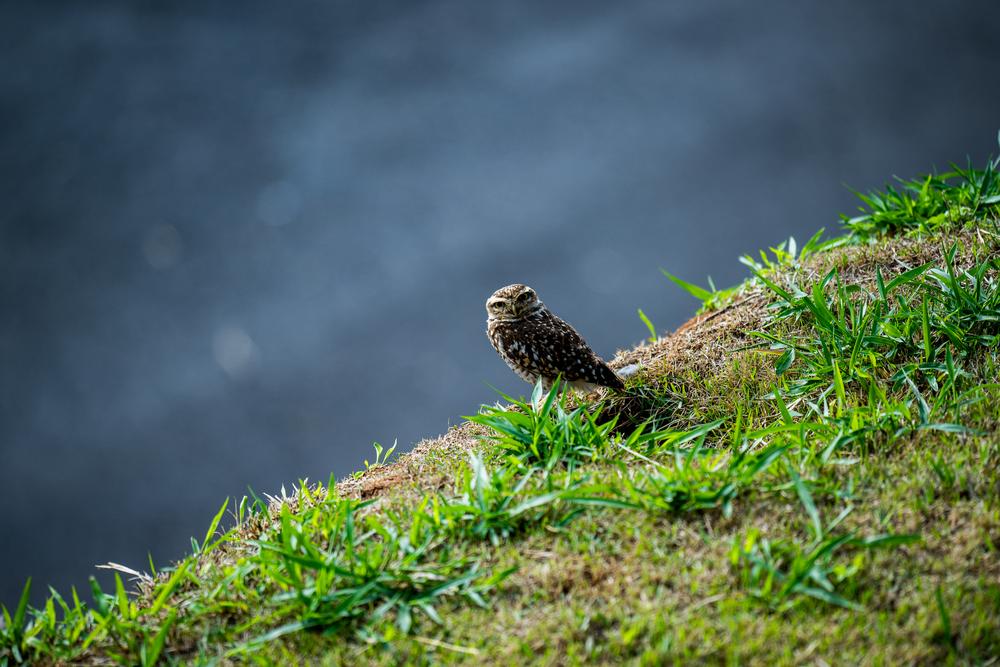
x: 547, y: 346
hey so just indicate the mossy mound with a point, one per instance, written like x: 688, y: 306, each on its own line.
x: 807, y: 471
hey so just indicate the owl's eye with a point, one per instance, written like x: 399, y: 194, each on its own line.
x: 524, y: 297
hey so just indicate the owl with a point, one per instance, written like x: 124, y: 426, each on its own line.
x: 537, y: 344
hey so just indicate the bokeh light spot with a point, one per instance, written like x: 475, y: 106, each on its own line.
x: 234, y: 351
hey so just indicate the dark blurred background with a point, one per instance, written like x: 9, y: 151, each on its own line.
x: 242, y: 241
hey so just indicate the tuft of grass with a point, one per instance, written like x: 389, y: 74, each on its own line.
x: 927, y: 204
x: 711, y: 298
x: 336, y: 572
x: 781, y: 573
x: 545, y: 432
x: 382, y: 456
x: 497, y: 504
x: 689, y: 478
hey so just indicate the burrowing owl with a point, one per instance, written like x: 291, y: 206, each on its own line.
x: 537, y: 344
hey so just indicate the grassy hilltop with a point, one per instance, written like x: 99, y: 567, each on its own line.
x: 808, y: 471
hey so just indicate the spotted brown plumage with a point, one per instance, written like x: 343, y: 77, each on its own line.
x: 537, y: 344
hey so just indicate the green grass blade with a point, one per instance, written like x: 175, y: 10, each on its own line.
x: 602, y: 502
x: 785, y: 361
x: 838, y: 384
x: 649, y: 326
x: 907, y: 277
x: 699, y: 293
x: 21, y: 611
x: 168, y: 588
x: 773, y: 286
x: 805, y: 497
x: 887, y: 540
x: 925, y: 326
x: 155, y: 648
x: 944, y: 616
x: 829, y: 597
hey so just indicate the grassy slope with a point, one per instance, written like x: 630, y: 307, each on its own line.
x: 736, y: 502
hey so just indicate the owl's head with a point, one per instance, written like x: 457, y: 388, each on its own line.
x: 512, y: 302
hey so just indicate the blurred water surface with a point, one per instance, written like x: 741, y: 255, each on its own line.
x: 242, y: 241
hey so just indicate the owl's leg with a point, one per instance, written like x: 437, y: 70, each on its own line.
x: 583, y: 385
x: 565, y: 388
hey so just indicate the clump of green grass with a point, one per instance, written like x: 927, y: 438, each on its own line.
x: 862, y: 357
x: 927, y: 204
x: 496, y: 504
x: 783, y: 573
x: 549, y: 435
x: 336, y: 572
x: 684, y: 478
x: 382, y: 456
